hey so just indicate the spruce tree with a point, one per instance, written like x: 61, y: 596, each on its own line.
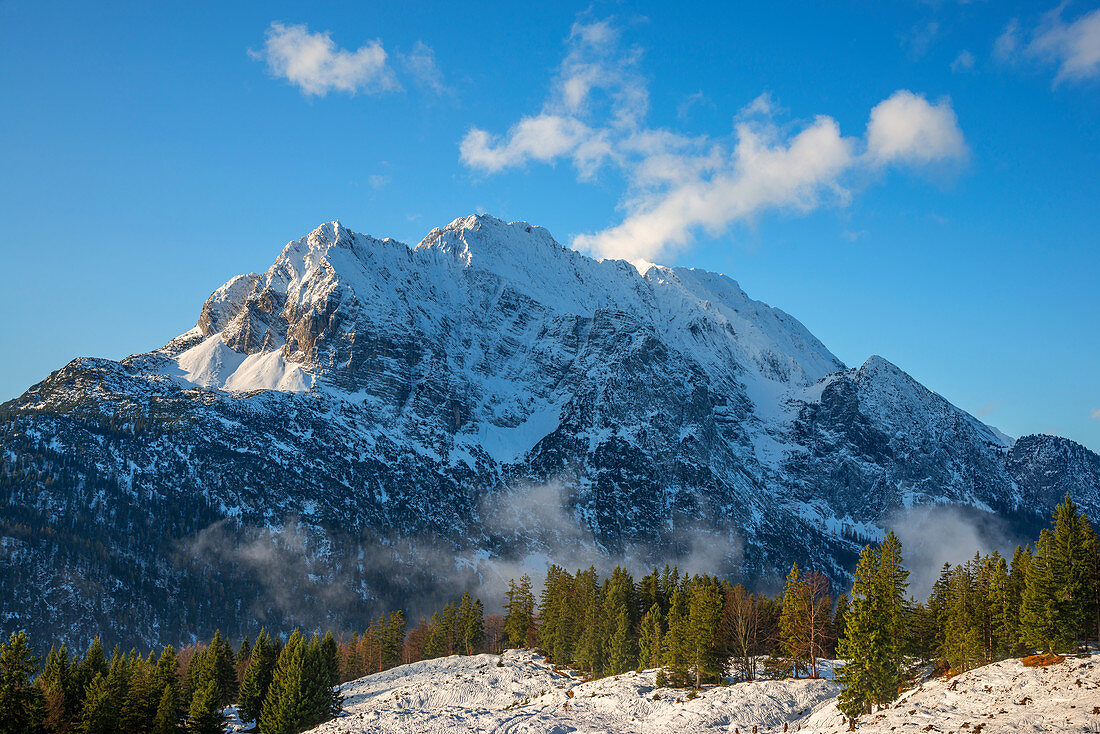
x: 167, y: 718
x: 97, y: 712
x: 204, y: 715
x: 790, y: 621
x: 22, y: 705
x: 704, y: 616
x: 471, y: 624
x: 874, y: 630
x: 223, y: 669
x: 58, y: 690
x: 94, y: 663
x: 649, y: 643
x: 257, y: 677
x: 519, y: 613
x: 284, y: 709
x: 677, y: 644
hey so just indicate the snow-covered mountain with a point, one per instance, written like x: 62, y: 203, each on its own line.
x: 521, y: 692
x: 367, y: 417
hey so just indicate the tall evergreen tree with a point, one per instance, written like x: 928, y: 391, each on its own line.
x: 471, y: 623
x: 649, y: 643
x: 167, y: 718
x: 874, y: 630
x: 284, y: 709
x: 704, y: 616
x: 257, y: 677
x: 97, y: 711
x: 519, y: 613
x: 677, y: 643
x: 22, y: 705
x: 205, y: 715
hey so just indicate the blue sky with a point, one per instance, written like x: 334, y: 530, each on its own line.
x: 915, y: 180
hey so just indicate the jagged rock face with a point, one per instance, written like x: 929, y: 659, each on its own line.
x: 362, y: 401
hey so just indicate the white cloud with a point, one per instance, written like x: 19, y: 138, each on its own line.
x: 540, y: 138
x: 1074, y: 47
x: 963, y: 62
x: 765, y: 173
x: 313, y: 63
x: 1095, y: 414
x: 907, y: 128
x: 679, y: 184
x: 1008, y: 43
x: 422, y: 66
x: 920, y: 38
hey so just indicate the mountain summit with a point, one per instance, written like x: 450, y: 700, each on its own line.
x: 367, y: 418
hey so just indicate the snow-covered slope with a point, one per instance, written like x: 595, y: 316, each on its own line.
x: 1002, y: 698
x: 520, y: 692
x: 494, y: 398
x: 523, y: 694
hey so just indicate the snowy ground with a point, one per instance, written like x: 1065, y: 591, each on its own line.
x: 474, y: 694
x: 1003, y: 697
x: 524, y: 694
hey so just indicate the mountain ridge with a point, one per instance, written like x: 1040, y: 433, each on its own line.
x: 379, y: 417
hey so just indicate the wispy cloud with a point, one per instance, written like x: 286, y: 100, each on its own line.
x: 920, y: 38
x: 988, y: 409
x: 422, y: 67
x: 1072, y: 46
x: 1008, y: 43
x: 679, y: 184
x: 313, y: 62
x: 1095, y: 414
x: 963, y: 62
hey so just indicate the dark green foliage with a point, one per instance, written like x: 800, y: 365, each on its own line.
x: 875, y: 630
x: 167, y: 718
x: 204, y: 715
x: 98, y: 713
x: 257, y: 677
x: 22, y: 705
x: 301, y: 695
x: 519, y: 613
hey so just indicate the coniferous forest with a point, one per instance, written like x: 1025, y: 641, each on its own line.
x: 696, y: 629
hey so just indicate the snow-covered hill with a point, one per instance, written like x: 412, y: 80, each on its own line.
x: 520, y: 692
x: 367, y: 418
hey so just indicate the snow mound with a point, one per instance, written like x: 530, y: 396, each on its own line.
x: 524, y: 694
x: 1002, y: 697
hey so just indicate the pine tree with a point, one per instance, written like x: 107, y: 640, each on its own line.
x: 790, y: 621
x: 677, y: 653
x: 649, y: 644
x: 58, y: 691
x: 1036, y: 613
x: 874, y: 630
x: 223, y: 669
x: 962, y: 645
x: 97, y: 713
x: 22, y: 705
x: 284, y: 708
x: 471, y: 622
x: 257, y: 677
x: 704, y: 616
x: 519, y: 613
x: 204, y: 715
x: 167, y: 718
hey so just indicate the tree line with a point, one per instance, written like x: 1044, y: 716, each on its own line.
x: 695, y: 629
